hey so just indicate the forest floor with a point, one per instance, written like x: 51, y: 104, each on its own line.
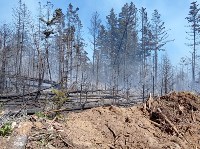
x: 168, y: 122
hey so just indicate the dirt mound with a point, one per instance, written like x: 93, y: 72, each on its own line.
x: 180, y: 108
x: 177, y: 113
x: 110, y: 128
x: 168, y: 122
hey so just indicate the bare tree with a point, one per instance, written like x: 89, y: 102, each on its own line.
x: 194, y: 19
x: 22, y: 18
x: 95, y: 23
x: 146, y: 37
x: 159, y: 34
x: 5, y: 50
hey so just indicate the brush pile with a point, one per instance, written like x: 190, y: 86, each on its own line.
x: 177, y: 113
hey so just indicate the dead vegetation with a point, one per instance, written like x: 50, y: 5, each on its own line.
x: 177, y: 113
x: 168, y: 122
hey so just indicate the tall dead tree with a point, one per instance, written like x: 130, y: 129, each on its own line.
x: 38, y: 57
x: 49, y: 21
x: 194, y: 19
x: 95, y: 23
x: 22, y: 17
x: 145, y: 47
x: 60, y: 40
x: 159, y: 34
x: 71, y: 18
x: 5, y: 50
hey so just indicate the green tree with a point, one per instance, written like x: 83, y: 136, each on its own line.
x: 167, y: 75
x: 128, y: 42
x: 112, y: 39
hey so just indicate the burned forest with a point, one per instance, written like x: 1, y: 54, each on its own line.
x: 104, y: 79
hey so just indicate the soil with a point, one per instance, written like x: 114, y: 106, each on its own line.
x: 168, y: 122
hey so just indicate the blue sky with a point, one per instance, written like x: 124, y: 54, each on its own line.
x: 173, y: 13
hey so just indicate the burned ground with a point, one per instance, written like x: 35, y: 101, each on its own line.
x: 170, y: 121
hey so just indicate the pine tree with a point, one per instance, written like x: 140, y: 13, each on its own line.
x: 60, y: 44
x: 112, y: 29
x: 160, y: 36
x: 72, y: 20
x: 104, y: 55
x: 194, y: 19
x: 167, y: 75
x: 127, y: 41
x: 146, y: 36
x: 145, y: 47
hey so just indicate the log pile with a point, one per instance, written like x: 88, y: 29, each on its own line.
x: 28, y: 104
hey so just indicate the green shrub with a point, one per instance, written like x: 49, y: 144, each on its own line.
x: 40, y: 115
x: 6, y: 129
x: 60, y: 98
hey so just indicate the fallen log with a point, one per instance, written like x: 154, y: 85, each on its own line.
x: 169, y: 122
